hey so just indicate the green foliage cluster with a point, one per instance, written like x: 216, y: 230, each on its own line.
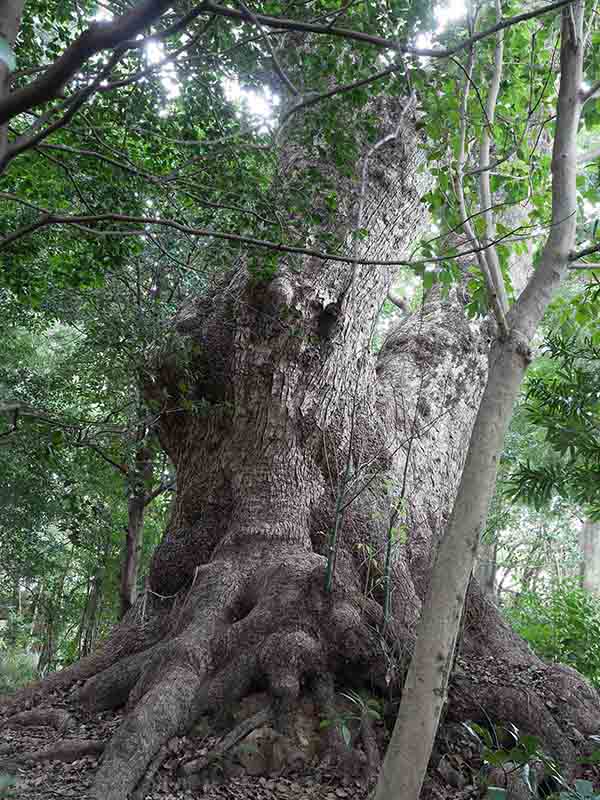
x: 562, y: 402
x: 75, y: 366
x: 519, y: 756
x: 561, y: 626
x: 362, y: 707
x: 17, y: 669
x: 8, y: 785
x: 560, y: 409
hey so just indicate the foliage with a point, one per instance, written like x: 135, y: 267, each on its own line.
x: 524, y: 752
x: 7, y: 785
x: 517, y: 756
x: 582, y: 790
x: 561, y: 626
x: 16, y: 669
x: 562, y: 408
x: 364, y: 707
x: 68, y: 452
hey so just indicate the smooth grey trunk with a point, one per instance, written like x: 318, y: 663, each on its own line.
x: 88, y: 629
x: 89, y: 619
x: 138, y: 480
x: 589, y: 544
x: 426, y: 686
x: 485, y: 571
x: 10, y: 22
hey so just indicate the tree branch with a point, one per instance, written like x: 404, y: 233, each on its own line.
x: 164, y: 487
x: 485, y: 193
x: 590, y: 93
x: 587, y: 251
x: 80, y: 221
x: 397, y: 301
x: 99, y: 36
x: 276, y: 63
x: 359, y: 36
x: 348, y: 87
x: 495, y: 302
x: 104, y: 457
x: 589, y: 156
x: 27, y: 142
x: 104, y: 36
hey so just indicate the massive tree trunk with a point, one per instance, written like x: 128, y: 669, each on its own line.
x: 296, y: 429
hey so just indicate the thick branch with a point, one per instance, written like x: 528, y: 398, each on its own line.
x: 98, y: 37
x: 359, y: 36
x: 587, y: 251
x: 557, y: 252
x: 163, y: 487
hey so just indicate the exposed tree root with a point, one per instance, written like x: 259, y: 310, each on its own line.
x: 144, y: 786
x: 272, y: 625
x: 67, y: 751
x: 111, y: 687
x: 54, y: 718
x: 167, y: 710
x: 233, y: 737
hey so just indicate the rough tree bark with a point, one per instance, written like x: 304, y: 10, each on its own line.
x: 292, y: 400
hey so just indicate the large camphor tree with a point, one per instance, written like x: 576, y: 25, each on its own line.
x: 317, y: 475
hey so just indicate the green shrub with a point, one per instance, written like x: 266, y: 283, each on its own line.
x: 562, y: 627
x: 16, y: 669
x: 7, y: 785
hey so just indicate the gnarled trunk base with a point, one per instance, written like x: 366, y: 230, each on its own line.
x: 263, y: 622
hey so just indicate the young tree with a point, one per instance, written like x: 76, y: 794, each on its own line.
x: 294, y: 443
x: 427, y: 681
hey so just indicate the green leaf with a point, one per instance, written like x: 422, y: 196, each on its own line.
x: 498, y: 758
x: 346, y: 735
x: 495, y: 793
x: 584, y: 788
x: 429, y: 278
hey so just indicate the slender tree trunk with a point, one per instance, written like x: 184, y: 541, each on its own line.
x: 589, y: 544
x: 425, y: 689
x: 486, y: 568
x: 89, y: 622
x: 139, y: 480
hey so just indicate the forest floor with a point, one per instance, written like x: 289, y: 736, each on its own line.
x: 455, y: 771
x: 71, y: 775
